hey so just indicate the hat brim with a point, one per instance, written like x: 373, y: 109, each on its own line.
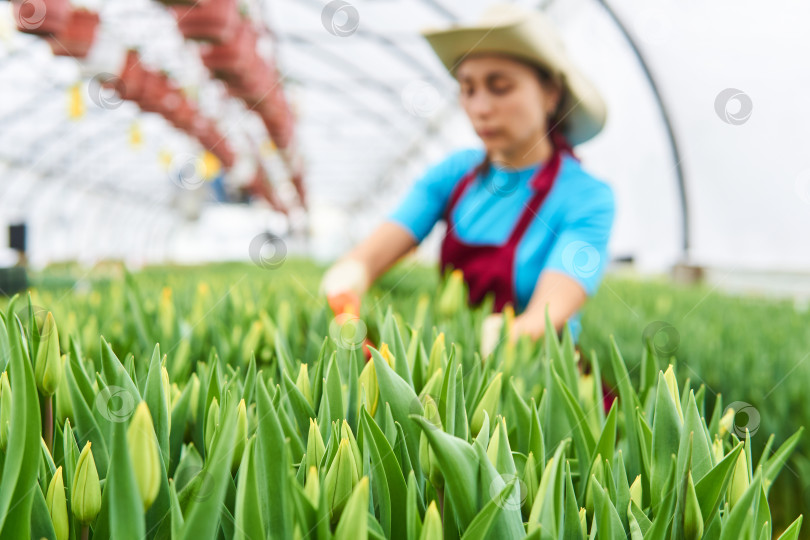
x: 583, y: 112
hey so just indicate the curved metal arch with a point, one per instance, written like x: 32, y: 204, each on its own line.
x: 673, y: 142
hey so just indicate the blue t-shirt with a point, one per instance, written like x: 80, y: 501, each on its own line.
x: 569, y: 234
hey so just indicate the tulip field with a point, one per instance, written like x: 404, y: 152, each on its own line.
x: 228, y: 401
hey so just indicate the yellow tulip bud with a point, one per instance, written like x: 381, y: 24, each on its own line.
x: 195, y: 396
x: 717, y: 451
x: 489, y: 403
x: 583, y: 519
x: 368, y: 385
x: 692, y: 518
x: 672, y: 386
x: 597, y: 472
x: 452, y: 298
x: 303, y: 385
x: 240, y: 437
x: 739, y: 480
x: 385, y: 352
x: 144, y: 455
x: 48, y: 366
x: 211, y: 424
x: 85, y: 493
x: 64, y: 407
x: 346, y: 433
x: 312, y: 488
x: 315, y: 446
x: 5, y: 409
x: 432, y: 527
x: 726, y: 422
x: 437, y: 353
x: 167, y: 391
x: 635, y: 491
x: 56, y: 502
x: 340, y: 480
x: 427, y: 458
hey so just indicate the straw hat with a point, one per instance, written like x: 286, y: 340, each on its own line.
x: 530, y: 36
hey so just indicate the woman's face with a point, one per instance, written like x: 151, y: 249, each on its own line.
x: 505, y: 101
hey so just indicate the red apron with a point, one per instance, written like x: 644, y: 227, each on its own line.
x: 490, y: 267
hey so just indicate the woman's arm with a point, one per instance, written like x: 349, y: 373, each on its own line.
x: 561, y: 293
x: 382, y: 248
x: 368, y: 260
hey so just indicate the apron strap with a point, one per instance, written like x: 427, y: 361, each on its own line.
x: 461, y: 186
x: 546, y: 176
x: 542, y: 183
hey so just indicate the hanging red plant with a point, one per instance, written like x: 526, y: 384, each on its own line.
x: 158, y: 93
x: 208, y: 20
x: 234, y: 57
x: 225, y: 154
x: 76, y: 37
x: 256, y: 84
x: 182, y: 117
x: 41, y: 17
x: 132, y: 77
x: 277, y: 117
x: 261, y: 186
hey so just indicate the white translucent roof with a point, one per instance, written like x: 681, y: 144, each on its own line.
x: 375, y: 107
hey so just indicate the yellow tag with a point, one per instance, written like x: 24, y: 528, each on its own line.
x: 210, y: 165
x: 75, y: 102
x: 135, y: 135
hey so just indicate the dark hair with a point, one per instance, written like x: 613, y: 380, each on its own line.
x: 548, y: 80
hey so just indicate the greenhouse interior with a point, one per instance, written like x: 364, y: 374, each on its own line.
x: 408, y: 269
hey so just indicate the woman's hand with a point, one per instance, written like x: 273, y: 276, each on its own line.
x: 493, y: 324
x: 562, y: 294
x: 345, y: 276
x: 528, y: 325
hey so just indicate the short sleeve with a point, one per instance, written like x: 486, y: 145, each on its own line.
x: 580, y: 249
x: 424, y: 204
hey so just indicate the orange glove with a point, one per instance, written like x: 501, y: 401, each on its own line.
x: 343, y: 285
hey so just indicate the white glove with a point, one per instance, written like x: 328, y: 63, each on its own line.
x: 344, y: 276
x: 490, y: 333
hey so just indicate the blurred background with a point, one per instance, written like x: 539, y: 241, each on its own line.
x: 346, y: 106
x: 145, y: 133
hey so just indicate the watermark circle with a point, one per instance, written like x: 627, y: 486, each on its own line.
x: 723, y: 106
x: 340, y: 18
x: 31, y: 14
x: 268, y: 251
x: 664, y: 337
x: 504, y: 182
x: 115, y: 403
x: 187, y: 171
x: 105, y: 90
x: 746, y: 416
x: 348, y: 331
x: 581, y: 259
x: 421, y: 99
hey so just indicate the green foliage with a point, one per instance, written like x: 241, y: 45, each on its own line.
x: 267, y: 423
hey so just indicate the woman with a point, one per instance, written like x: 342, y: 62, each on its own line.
x: 525, y: 222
